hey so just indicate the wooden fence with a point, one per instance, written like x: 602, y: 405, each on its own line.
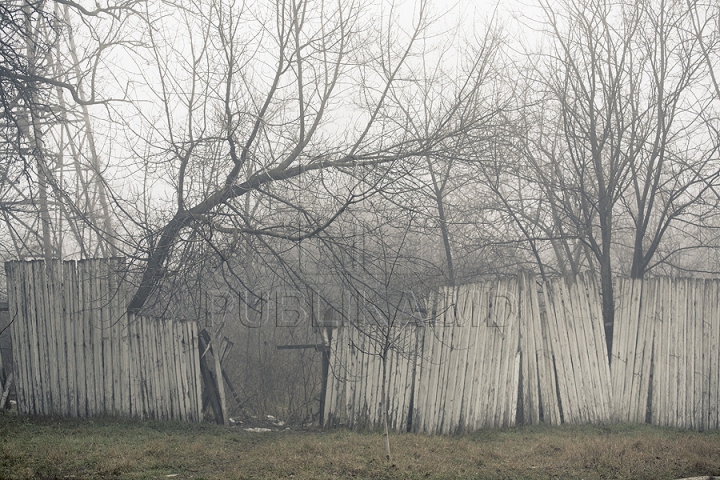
x: 78, y: 353
x: 353, y: 389
x: 665, y: 363
x: 524, y: 351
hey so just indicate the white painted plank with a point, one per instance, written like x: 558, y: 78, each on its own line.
x: 595, y: 353
x: 471, y: 379
x: 418, y: 380
x: 484, y: 398
x: 183, y: 357
x: 448, y: 331
x: 467, y: 359
x: 568, y: 334
x: 173, y: 378
x: 455, y: 384
x: 697, y: 352
x: 79, y: 321
x: 98, y: 329
x: 494, y: 330
x: 619, y: 353
x: 15, y: 285
x: 557, y: 350
x: 486, y: 298
x: 125, y: 359
x: 146, y: 367
x: 142, y: 364
x: 642, y: 352
x: 597, y: 364
x: 714, y: 339
x: 659, y: 352
x: 423, y: 385
x: 151, y: 367
x: 651, y: 313
x: 436, y: 337
x: 580, y: 376
x: 352, y: 375
x: 706, y: 332
x: 69, y: 318
x: 345, y: 368
x: 133, y: 354
x: 598, y: 324
x: 47, y: 341
x: 38, y: 342
x: 687, y: 355
x: 630, y: 343
x: 668, y: 342
x: 551, y: 414
x: 398, y: 373
x: 667, y: 314
x: 509, y: 338
x: 115, y: 314
x: 673, y: 339
x: 86, y: 357
x: 26, y: 403
x: 162, y: 370
x: 513, y: 298
x: 706, y: 347
x: 197, y: 376
x: 625, y: 330
x: 453, y: 359
x: 168, y: 326
x: 410, y: 379
x: 332, y: 393
x: 515, y: 390
x: 375, y: 380
x: 359, y: 379
x: 372, y: 381
x: 331, y: 390
x: 392, y: 374
x: 181, y: 385
x: 58, y: 359
x: 529, y: 385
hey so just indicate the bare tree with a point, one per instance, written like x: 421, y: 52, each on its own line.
x: 625, y: 144
x: 386, y: 289
x: 48, y: 87
x: 264, y: 103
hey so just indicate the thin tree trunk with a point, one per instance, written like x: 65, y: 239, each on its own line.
x: 606, y: 287
x: 446, y: 240
x: 107, y: 226
x: 34, y: 137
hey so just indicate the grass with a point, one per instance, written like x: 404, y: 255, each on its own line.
x: 41, y: 447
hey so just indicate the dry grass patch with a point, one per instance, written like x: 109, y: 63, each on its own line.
x: 109, y: 448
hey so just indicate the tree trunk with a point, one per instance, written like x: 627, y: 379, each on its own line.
x: 446, y: 240
x: 606, y: 285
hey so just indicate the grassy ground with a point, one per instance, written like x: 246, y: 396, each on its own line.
x: 110, y: 448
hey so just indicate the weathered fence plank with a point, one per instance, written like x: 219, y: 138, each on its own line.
x: 647, y: 327
x: 467, y: 415
x: 531, y: 407
x: 560, y: 345
x: 713, y: 300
